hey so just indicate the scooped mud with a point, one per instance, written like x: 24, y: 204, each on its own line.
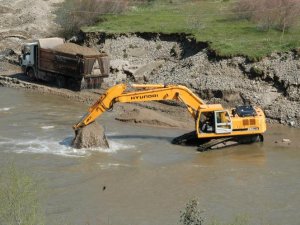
x: 71, y: 48
x: 91, y: 136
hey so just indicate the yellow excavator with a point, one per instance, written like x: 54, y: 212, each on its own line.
x: 214, y: 125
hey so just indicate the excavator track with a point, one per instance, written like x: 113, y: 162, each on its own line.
x: 217, y: 143
x: 186, y: 139
x: 190, y: 139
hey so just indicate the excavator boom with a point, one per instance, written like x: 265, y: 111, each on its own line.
x: 151, y: 92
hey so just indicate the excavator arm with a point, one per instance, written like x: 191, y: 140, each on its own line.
x: 149, y: 92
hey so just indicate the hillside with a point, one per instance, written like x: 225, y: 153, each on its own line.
x: 208, y: 21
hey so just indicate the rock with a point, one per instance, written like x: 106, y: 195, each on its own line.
x: 144, y: 71
x: 91, y: 136
x: 131, y: 69
x: 256, y: 71
x: 286, y: 140
x: 118, y: 64
x: 292, y: 123
x: 293, y: 92
x: 7, y: 52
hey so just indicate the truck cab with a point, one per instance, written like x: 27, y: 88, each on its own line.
x: 28, y: 58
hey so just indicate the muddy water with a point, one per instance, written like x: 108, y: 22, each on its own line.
x: 143, y: 179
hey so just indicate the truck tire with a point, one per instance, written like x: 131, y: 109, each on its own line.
x: 30, y: 73
x: 60, y: 81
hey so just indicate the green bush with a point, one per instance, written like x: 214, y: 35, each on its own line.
x: 191, y: 215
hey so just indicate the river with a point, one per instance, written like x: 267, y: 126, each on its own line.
x: 143, y: 179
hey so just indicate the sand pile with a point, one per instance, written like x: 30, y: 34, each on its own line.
x: 90, y: 136
x: 148, y: 117
x: 74, y: 49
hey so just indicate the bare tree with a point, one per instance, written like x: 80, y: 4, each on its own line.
x: 278, y: 14
x: 74, y: 14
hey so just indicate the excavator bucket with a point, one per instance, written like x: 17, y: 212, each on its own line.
x: 90, y: 136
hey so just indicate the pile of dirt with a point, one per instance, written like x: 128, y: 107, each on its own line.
x: 75, y: 49
x: 91, y: 136
x: 144, y: 116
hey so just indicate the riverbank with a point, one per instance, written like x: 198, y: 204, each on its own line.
x: 272, y: 83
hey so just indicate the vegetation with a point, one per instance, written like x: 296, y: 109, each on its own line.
x: 191, y: 215
x: 73, y: 14
x: 19, y: 202
x: 267, y: 14
x: 229, y: 31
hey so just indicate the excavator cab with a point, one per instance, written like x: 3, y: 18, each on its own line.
x: 213, y: 122
x: 223, y: 123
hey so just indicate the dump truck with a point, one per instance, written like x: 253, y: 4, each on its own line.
x: 67, y: 65
x: 214, y: 125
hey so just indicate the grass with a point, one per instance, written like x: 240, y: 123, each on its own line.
x: 208, y: 21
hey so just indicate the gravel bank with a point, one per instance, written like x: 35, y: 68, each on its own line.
x: 272, y: 83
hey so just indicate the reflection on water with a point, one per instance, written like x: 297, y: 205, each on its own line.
x: 147, y: 180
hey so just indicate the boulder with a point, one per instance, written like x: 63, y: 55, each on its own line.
x: 286, y: 140
x: 91, y: 136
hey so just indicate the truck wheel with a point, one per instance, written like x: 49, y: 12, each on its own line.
x: 30, y: 74
x: 60, y: 81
